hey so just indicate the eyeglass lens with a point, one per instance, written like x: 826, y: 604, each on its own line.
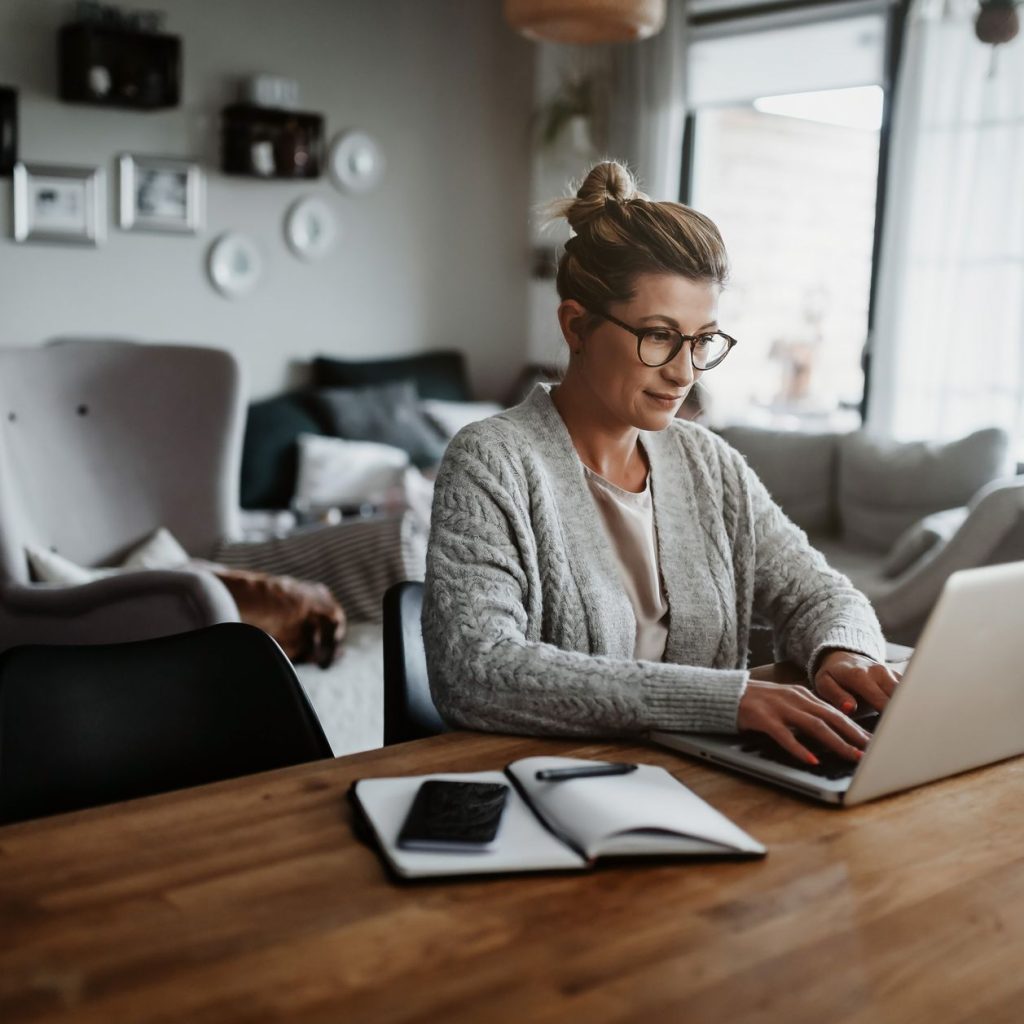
x: 658, y: 347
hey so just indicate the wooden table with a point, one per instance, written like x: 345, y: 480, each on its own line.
x: 252, y: 901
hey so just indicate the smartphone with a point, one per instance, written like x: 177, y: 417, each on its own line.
x: 458, y: 817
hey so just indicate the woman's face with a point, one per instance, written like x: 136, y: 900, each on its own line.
x: 646, y: 397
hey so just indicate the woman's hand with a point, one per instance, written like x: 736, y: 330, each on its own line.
x: 843, y: 677
x: 780, y: 709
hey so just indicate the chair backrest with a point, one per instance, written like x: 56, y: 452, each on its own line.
x: 409, y: 711
x: 101, y: 442
x: 84, y: 725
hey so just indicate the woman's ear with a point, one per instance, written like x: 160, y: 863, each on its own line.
x: 572, y: 318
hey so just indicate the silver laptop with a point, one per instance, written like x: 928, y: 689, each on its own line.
x: 960, y: 704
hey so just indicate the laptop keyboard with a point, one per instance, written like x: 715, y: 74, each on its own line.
x: 831, y: 765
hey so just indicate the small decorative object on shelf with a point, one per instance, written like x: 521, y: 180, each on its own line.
x: 160, y: 194
x: 58, y: 204
x: 271, y: 91
x: 356, y: 162
x: 269, y: 142
x: 8, y: 130
x: 118, y: 59
x: 310, y: 228
x: 235, y: 264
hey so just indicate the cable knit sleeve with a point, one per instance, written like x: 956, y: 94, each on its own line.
x: 809, y: 604
x: 485, y: 672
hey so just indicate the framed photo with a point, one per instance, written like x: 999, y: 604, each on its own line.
x: 160, y: 194
x: 58, y: 204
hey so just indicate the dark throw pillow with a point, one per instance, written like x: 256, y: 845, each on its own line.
x: 270, y: 452
x: 386, y: 413
x: 435, y: 374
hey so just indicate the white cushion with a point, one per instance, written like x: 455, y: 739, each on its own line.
x: 160, y: 550
x: 451, y: 417
x: 49, y: 567
x: 336, y: 472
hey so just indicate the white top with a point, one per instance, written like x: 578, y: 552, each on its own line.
x: 629, y: 519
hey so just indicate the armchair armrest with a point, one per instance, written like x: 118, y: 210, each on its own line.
x: 992, y: 532
x: 126, y: 606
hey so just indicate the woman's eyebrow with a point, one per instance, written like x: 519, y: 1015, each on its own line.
x: 675, y: 323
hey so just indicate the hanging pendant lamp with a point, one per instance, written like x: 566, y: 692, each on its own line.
x: 586, y: 21
x: 997, y: 21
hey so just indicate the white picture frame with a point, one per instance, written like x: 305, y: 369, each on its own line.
x: 163, y: 194
x: 56, y: 203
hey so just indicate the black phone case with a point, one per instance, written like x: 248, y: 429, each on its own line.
x: 455, y: 812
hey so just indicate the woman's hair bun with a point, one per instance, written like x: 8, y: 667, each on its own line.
x: 608, y: 182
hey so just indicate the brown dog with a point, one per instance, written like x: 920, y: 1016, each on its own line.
x: 303, y: 617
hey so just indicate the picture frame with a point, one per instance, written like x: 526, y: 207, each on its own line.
x: 163, y: 194
x: 54, y: 203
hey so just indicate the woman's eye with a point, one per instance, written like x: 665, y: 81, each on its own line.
x: 663, y: 337
x: 704, y: 340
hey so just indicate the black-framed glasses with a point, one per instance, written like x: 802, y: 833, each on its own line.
x: 656, y: 346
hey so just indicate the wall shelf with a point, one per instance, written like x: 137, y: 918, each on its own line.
x: 115, y: 67
x: 268, y: 142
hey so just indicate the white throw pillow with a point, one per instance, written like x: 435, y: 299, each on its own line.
x: 160, y: 550
x: 451, y: 417
x: 49, y: 567
x: 334, y: 471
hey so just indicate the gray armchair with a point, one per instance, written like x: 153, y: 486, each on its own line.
x: 101, y: 443
x: 897, y: 519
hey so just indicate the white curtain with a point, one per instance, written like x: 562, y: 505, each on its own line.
x: 647, y: 113
x: 948, y: 345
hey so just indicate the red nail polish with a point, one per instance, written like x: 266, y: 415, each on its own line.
x: 811, y: 759
x: 859, y: 753
x: 848, y: 706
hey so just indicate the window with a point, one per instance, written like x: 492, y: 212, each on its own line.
x: 785, y: 147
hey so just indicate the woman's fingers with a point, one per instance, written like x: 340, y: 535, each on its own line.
x: 780, y: 710
x: 849, y: 746
x: 830, y: 690
x: 785, y: 739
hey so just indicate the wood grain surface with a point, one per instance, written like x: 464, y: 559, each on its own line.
x: 253, y: 900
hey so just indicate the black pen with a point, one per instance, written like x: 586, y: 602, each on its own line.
x: 558, y: 774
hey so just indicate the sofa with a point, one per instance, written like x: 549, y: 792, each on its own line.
x: 896, y: 518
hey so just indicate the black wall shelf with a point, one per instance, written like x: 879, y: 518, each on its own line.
x: 116, y: 67
x: 267, y: 142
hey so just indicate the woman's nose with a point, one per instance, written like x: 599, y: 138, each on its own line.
x: 680, y: 370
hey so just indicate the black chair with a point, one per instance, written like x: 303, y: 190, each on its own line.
x: 409, y: 711
x: 84, y: 725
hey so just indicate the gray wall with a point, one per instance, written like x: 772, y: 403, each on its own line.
x: 436, y: 257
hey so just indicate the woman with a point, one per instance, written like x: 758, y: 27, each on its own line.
x: 595, y: 563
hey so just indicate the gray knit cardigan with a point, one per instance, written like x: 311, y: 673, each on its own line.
x: 527, y: 627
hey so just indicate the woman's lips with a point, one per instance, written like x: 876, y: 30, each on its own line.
x: 663, y: 399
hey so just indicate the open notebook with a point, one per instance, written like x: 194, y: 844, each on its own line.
x: 559, y: 826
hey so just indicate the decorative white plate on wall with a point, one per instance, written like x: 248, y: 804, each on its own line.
x: 355, y: 162
x: 235, y: 264
x: 310, y: 228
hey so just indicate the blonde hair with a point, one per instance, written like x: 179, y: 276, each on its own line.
x: 618, y: 233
